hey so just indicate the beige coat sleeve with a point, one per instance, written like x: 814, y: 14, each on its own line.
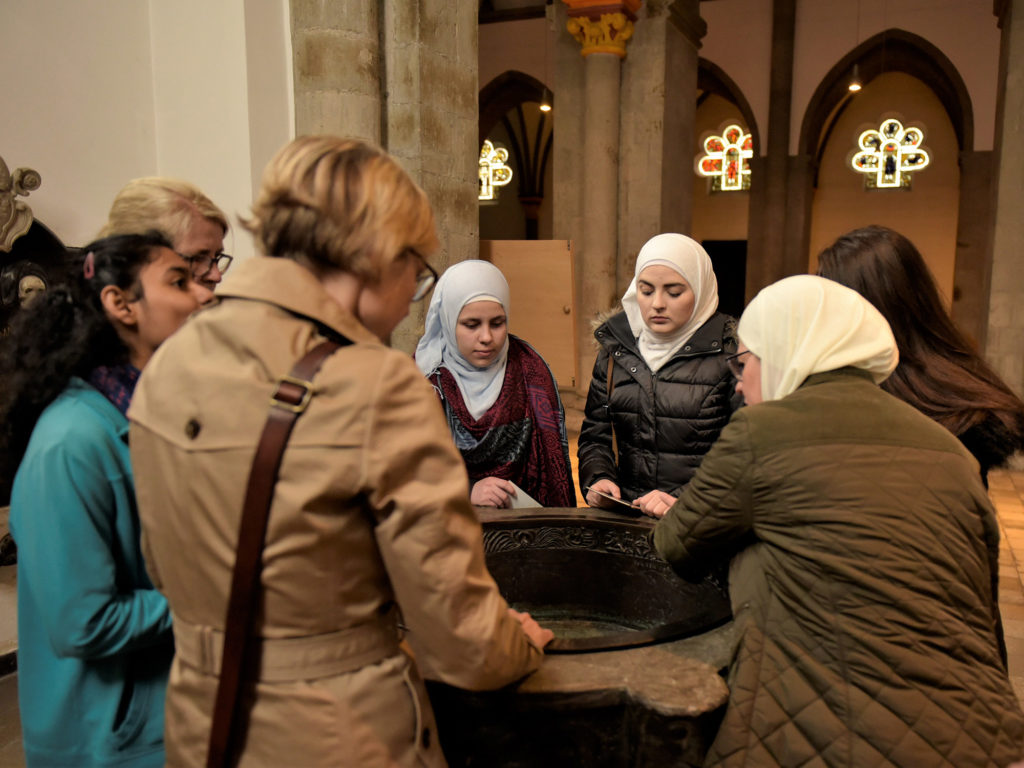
x: 431, y: 541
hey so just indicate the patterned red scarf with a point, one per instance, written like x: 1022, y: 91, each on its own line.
x: 522, y: 436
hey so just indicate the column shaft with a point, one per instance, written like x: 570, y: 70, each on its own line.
x: 1005, y: 346
x: 600, y: 195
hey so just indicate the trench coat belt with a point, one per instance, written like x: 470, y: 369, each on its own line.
x: 288, y: 659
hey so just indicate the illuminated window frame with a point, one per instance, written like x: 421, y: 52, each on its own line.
x: 493, y: 170
x: 890, y: 155
x: 725, y: 160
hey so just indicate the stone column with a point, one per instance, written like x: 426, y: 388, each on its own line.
x: 1005, y: 347
x: 767, y: 258
x: 796, y: 242
x: 659, y: 104
x: 603, y: 34
x: 972, y: 275
x: 402, y: 75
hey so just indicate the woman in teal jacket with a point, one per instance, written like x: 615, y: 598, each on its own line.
x: 94, y: 637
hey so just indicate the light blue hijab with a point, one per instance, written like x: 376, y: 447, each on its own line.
x: 462, y: 284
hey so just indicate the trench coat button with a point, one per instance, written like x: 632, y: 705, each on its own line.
x: 425, y: 738
x: 192, y: 429
x: 618, y: 353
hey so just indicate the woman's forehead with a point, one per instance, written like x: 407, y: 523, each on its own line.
x: 658, y: 274
x: 482, y: 310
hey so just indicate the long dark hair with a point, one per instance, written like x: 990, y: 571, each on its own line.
x: 940, y: 373
x: 65, y: 332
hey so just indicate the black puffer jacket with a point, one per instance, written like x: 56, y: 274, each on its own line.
x: 665, y: 422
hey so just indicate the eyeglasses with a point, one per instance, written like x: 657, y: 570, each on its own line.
x: 736, y: 365
x: 201, y: 265
x: 425, y: 279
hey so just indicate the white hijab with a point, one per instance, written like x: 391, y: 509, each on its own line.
x: 807, y: 324
x: 691, y: 261
x: 461, y: 284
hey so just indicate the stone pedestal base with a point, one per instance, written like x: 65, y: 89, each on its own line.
x: 657, y: 706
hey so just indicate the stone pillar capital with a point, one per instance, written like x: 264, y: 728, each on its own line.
x: 601, y: 26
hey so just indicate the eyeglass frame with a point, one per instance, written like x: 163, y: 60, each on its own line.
x: 215, y: 259
x: 425, y: 279
x: 735, y: 366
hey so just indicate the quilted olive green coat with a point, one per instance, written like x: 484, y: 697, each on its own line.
x: 863, y: 585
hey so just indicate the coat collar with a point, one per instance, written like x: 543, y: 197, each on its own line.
x: 837, y: 374
x: 287, y: 284
x: 96, y: 401
x: 707, y: 339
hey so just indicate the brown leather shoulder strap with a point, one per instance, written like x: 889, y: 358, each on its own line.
x: 290, y: 399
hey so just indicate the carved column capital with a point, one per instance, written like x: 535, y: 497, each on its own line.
x: 601, y: 26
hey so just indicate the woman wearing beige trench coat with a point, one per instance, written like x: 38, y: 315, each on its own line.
x: 371, y: 508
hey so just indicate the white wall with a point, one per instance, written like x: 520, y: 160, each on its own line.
x: 77, y: 105
x: 104, y: 91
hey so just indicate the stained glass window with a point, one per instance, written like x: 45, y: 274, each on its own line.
x: 493, y: 171
x: 889, y: 156
x: 725, y: 160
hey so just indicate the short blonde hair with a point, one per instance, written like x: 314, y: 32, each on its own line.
x: 169, y: 206
x: 340, y: 204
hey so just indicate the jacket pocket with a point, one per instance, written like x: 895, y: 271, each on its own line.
x: 132, y: 709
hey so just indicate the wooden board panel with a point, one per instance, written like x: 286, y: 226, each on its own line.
x: 543, y: 312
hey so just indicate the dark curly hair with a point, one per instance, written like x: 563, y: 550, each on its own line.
x: 63, y: 333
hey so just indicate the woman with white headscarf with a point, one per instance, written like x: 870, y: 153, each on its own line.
x: 661, y: 390
x: 499, y: 395
x: 864, y: 554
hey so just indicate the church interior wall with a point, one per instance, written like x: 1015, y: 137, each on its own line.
x: 965, y: 31
x: 739, y: 41
x: 926, y: 213
x: 207, y: 129
x: 78, y: 105
x: 204, y: 91
x: 518, y: 45
x: 107, y: 92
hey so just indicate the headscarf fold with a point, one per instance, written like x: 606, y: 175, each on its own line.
x: 691, y: 261
x: 807, y: 324
x: 462, y: 284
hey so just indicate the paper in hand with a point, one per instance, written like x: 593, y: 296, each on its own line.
x: 522, y: 500
x: 622, y: 502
